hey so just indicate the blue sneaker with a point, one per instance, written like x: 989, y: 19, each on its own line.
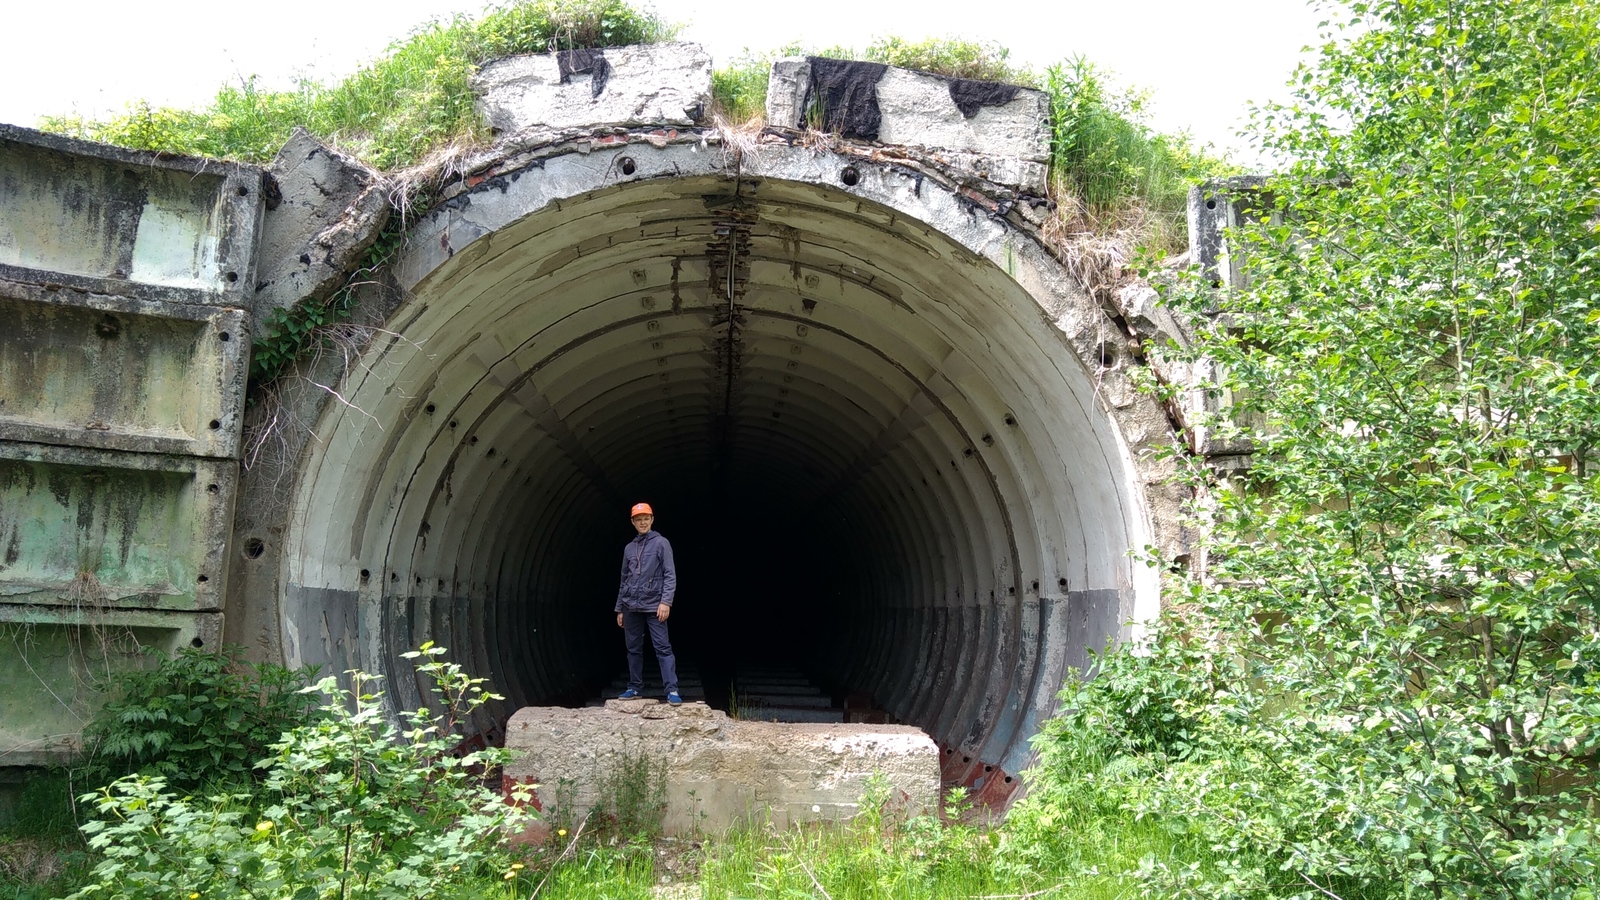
x: 674, y: 699
x: 628, y: 694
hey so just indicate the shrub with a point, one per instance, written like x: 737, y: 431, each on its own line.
x: 195, y: 718
x: 352, y: 806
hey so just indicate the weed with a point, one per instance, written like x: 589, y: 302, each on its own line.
x: 633, y: 795
x: 739, y: 89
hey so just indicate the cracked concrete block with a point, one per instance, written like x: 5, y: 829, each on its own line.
x: 719, y: 771
x: 327, y: 211
x: 788, y: 86
x: 648, y: 84
x: 999, y: 132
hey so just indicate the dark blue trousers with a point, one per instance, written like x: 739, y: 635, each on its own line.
x: 634, y: 625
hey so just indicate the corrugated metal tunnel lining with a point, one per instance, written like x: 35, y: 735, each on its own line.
x: 875, y: 453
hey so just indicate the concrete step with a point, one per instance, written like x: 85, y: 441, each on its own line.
x: 766, y: 687
x: 782, y: 700
x: 789, y: 714
x: 772, y: 678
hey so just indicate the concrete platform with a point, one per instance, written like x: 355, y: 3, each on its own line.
x: 720, y: 771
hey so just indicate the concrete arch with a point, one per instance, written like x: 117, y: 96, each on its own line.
x: 874, y: 414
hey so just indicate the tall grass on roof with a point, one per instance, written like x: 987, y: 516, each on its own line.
x: 391, y: 113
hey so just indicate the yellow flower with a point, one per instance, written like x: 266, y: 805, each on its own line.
x: 194, y: 896
x: 510, y: 875
x: 515, y: 866
x: 263, y: 826
x: 561, y: 832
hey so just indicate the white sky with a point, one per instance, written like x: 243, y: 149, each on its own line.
x: 1204, y: 61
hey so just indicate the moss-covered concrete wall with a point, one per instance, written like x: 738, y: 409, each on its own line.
x: 124, y: 301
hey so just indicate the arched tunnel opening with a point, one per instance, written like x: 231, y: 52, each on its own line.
x: 877, y: 457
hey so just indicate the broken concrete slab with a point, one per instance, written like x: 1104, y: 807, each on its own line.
x: 648, y: 84
x: 998, y: 132
x: 326, y: 211
x: 719, y: 771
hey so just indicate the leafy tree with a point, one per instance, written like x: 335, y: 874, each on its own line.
x: 1390, y: 673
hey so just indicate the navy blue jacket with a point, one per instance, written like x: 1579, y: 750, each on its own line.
x: 648, y: 576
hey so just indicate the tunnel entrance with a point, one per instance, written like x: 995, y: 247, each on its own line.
x: 858, y: 403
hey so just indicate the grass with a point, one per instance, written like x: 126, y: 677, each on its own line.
x: 42, y: 855
x: 1081, y: 850
x: 868, y: 858
x: 392, y: 113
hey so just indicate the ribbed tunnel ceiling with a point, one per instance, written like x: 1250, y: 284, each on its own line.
x: 875, y: 455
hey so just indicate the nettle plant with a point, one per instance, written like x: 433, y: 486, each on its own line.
x: 195, y: 719
x: 353, y: 805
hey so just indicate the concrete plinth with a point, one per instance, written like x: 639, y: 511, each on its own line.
x: 720, y: 771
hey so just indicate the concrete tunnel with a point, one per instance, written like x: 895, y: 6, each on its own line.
x: 859, y: 404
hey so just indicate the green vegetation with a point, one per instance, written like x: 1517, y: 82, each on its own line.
x: 392, y: 113
x: 194, y: 717
x: 199, y: 720
x: 951, y: 56
x: 1390, y: 684
x: 1121, y: 173
x: 296, y: 332
x: 41, y: 853
x: 349, y: 806
x: 633, y: 802
x: 739, y: 89
x: 881, y: 854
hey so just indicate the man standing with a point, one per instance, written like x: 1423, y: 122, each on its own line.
x: 644, y: 601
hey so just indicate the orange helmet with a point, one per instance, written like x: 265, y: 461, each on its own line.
x: 641, y: 509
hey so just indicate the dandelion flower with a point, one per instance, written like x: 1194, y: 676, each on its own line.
x: 561, y: 832
x: 516, y: 866
x: 264, y: 826
x: 509, y: 875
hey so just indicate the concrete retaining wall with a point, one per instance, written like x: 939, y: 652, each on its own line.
x: 124, y: 297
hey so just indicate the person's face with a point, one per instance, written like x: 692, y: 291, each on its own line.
x: 641, y: 522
